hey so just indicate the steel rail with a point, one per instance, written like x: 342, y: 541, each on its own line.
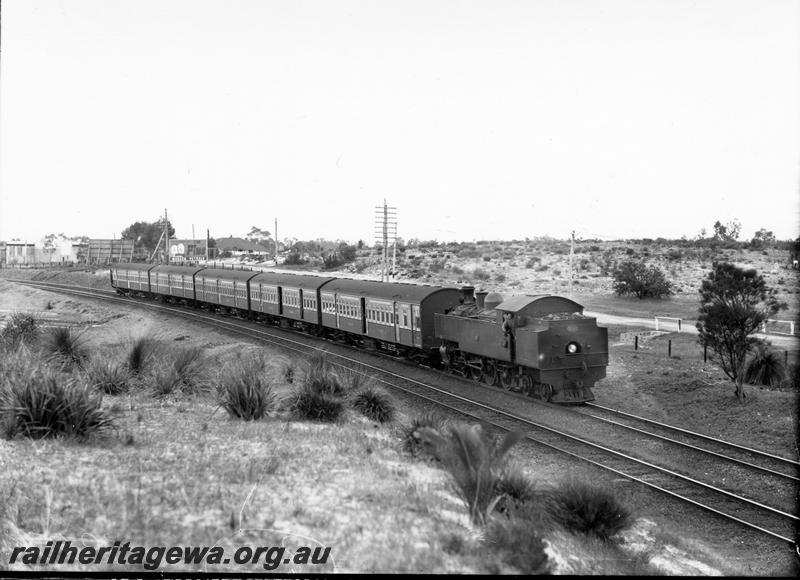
x: 699, y: 435
x: 249, y: 332
x: 694, y: 447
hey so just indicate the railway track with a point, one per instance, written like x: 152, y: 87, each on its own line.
x: 775, y: 522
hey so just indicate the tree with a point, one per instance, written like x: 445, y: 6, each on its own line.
x: 763, y: 238
x: 147, y: 234
x: 343, y: 254
x: 641, y: 281
x: 728, y: 232
x: 734, y: 302
x: 259, y: 236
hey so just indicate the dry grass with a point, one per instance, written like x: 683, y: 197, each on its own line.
x: 180, y: 473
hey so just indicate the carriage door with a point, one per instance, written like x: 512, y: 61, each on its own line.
x: 416, y: 331
x: 397, y: 319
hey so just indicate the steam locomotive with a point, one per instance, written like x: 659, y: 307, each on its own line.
x: 541, y: 345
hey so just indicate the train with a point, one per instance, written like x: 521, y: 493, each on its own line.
x: 540, y: 345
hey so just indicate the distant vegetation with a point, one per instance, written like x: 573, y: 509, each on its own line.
x: 641, y: 281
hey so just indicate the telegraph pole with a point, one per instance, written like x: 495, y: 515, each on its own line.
x: 166, y: 237
x: 208, y: 239
x: 386, y: 228
x: 571, y: 254
x: 276, y: 241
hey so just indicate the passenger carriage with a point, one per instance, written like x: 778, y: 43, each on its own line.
x: 295, y: 297
x: 226, y: 288
x: 174, y: 281
x: 388, y: 316
x: 131, y: 277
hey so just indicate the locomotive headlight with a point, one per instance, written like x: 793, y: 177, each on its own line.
x: 573, y: 348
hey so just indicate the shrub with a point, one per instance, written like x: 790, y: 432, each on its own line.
x: 244, y: 391
x: 517, y: 542
x: 765, y: 368
x: 22, y: 328
x: 515, y: 490
x: 585, y: 509
x: 313, y: 405
x: 475, y: 460
x: 47, y: 403
x: 374, y: 404
x: 412, y: 439
x: 109, y: 377
x: 641, y: 281
x: 66, y: 345
x: 480, y: 274
x: 140, y: 354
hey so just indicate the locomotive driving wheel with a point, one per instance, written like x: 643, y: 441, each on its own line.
x: 543, y: 391
x: 507, y: 378
x: 526, y: 384
x: 490, y: 374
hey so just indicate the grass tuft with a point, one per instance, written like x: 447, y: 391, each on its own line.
x: 189, y: 367
x: 321, y: 377
x: 374, y: 404
x: 586, y: 509
x: 109, y: 377
x: 244, y: 392
x: 46, y: 403
x: 66, y: 345
x: 353, y: 381
x: 475, y: 460
x: 313, y: 405
x: 765, y: 368
x: 413, y: 442
x: 140, y: 354
x: 517, y: 542
x: 22, y: 328
x: 516, y: 490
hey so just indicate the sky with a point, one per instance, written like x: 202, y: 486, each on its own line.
x: 491, y: 119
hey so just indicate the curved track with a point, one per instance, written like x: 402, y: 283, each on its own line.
x: 766, y: 519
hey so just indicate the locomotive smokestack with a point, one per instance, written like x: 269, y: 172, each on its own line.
x: 467, y: 294
x: 480, y: 295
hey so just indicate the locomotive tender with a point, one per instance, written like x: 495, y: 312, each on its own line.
x: 541, y: 345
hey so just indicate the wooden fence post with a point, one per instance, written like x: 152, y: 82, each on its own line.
x: 669, y: 349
